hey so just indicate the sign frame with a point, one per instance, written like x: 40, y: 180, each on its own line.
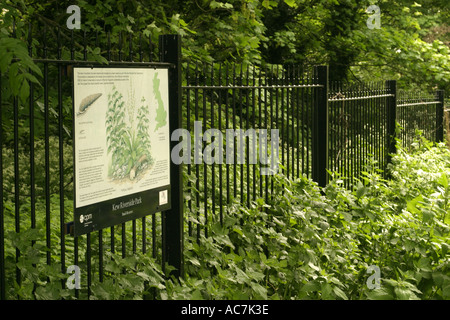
x: 121, y: 207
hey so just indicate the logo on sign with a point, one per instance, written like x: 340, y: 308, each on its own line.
x: 163, y: 197
x: 86, y: 217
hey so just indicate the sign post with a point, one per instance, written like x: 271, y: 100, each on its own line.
x: 172, y: 220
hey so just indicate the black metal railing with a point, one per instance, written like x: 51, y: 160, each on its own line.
x: 419, y: 111
x: 232, y: 97
x: 358, y: 128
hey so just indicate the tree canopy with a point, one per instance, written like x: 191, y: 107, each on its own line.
x: 412, y: 44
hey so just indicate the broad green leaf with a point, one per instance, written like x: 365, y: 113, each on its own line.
x: 379, y: 294
x: 361, y: 190
x: 446, y: 291
x: 443, y: 181
x: 241, y: 276
x: 341, y: 294
x: 403, y: 293
x: 412, y: 204
x: 260, y: 290
x: 290, y: 3
x: 310, y: 286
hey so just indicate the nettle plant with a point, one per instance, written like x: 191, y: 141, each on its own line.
x: 127, y: 139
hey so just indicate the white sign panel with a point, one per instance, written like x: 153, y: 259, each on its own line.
x: 121, y: 132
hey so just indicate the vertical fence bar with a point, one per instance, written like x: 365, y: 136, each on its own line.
x: 16, y: 171
x: 234, y: 128
x: 46, y: 152
x: 275, y: 82
x: 197, y: 167
x: 440, y: 116
x: 188, y: 127
x: 75, y: 240
x: 297, y: 131
x: 268, y: 122
x: 172, y: 220
x: 294, y: 145
x: 377, y: 121
x: 61, y: 155
x: 351, y: 135
x: 241, y: 126
x: 347, y: 158
x: 332, y: 115
x: 342, y: 133
x: 213, y: 176
x: 260, y: 97
x: 391, y: 85
x: 359, y: 117
x: 320, y: 136
x: 32, y: 167
x: 265, y: 121
x: 254, y: 127
x: 280, y: 102
x: 219, y: 116
x: 154, y: 235
x: 247, y: 139
x: 294, y: 115
x: 227, y: 123
x: 205, y: 168
x: 304, y: 128
x: 287, y: 112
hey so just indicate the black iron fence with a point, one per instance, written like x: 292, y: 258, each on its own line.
x: 362, y: 124
x: 346, y: 128
x: 308, y: 123
x: 418, y: 111
x: 36, y: 169
x: 235, y: 97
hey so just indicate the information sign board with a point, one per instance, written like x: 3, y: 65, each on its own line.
x: 121, y: 145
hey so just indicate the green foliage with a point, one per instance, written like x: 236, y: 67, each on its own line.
x: 131, y: 278
x: 411, y: 46
x: 306, y: 245
x: 14, y: 58
x: 303, y: 243
x: 39, y: 178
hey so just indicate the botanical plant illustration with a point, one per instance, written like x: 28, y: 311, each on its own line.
x: 127, y: 138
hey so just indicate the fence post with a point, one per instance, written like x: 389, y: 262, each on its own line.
x: 440, y: 116
x: 320, y: 128
x: 172, y: 220
x: 391, y: 144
